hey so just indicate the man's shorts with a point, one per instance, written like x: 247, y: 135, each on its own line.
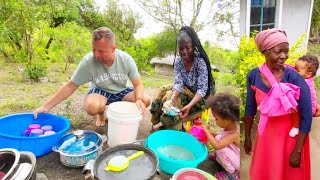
x: 111, y: 97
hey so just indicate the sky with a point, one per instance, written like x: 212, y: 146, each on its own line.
x: 152, y: 26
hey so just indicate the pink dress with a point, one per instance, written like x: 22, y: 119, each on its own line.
x: 228, y: 157
x: 271, y: 152
x: 310, y: 83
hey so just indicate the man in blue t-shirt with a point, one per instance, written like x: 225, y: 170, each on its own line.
x: 108, y: 70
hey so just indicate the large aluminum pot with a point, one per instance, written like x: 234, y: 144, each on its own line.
x: 144, y: 167
x: 78, y: 147
x: 17, y: 165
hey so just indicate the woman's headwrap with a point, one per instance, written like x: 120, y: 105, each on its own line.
x: 269, y: 38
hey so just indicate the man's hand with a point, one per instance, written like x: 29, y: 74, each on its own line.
x: 141, y: 106
x: 40, y: 110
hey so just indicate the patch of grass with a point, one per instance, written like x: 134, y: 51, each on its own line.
x: 224, y: 83
x: 14, y: 105
x: 19, y: 94
x: 317, y: 82
x: 156, y: 81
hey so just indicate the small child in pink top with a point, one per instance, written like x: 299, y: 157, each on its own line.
x: 225, y: 110
x: 307, y: 67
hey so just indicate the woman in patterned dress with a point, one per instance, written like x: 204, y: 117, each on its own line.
x: 193, y: 82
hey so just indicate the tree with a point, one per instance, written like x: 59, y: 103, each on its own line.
x: 157, y: 45
x: 165, y: 42
x: 35, y: 31
x: 177, y: 13
x: 19, y: 19
x: 315, y: 21
x: 123, y: 22
x: 60, y: 12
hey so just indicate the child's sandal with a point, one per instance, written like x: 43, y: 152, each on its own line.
x: 212, y: 156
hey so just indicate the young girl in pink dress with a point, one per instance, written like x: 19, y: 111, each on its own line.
x: 225, y: 110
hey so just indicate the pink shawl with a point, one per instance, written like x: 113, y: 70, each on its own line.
x: 280, y: 100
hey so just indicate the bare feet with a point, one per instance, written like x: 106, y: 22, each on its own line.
x: 100, y: 120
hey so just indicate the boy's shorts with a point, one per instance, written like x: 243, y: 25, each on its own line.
x: 111, y: 97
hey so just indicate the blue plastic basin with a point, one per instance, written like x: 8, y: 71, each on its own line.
x: 12, y: 126
x: 172, y: 137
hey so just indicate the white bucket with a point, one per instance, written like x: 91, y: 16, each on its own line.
x: 123, y: 123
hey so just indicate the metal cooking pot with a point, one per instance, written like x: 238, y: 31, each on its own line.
x: 144, y: 167
x: 17, y: 165
x: 78, y: 147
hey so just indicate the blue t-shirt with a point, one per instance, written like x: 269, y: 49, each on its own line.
x: 290, y: 76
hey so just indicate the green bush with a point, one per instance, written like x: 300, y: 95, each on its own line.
x: 317, y: 82
x: 158, y: 45
x: 226, y: 60
x: 142, y: 52
x: 70, y: 43
x: 314, y: 49
x: 36, y: 70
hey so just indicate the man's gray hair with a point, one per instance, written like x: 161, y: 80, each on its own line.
x: 103, y: 33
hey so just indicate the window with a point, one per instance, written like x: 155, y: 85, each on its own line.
x: 262, y: 15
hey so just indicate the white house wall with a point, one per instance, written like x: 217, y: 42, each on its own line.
x: 295, y: 18
x: 243, y: 11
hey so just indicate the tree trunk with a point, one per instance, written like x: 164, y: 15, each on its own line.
x: 16, y: 43
x: 28, y: 50
x: 5, y: 54
x: 48, y: 46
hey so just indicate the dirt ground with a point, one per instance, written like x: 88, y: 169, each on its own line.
x: 314, y: 137
x: 50, y: 164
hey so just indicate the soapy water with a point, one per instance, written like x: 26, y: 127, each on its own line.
x: 74, y: 145
x: 176, y: 152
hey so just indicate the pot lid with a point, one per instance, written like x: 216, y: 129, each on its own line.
x: 79, y: 142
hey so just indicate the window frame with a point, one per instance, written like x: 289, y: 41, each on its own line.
x: 277, y: 17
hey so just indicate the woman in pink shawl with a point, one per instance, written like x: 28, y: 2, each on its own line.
x: 281, y: 95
